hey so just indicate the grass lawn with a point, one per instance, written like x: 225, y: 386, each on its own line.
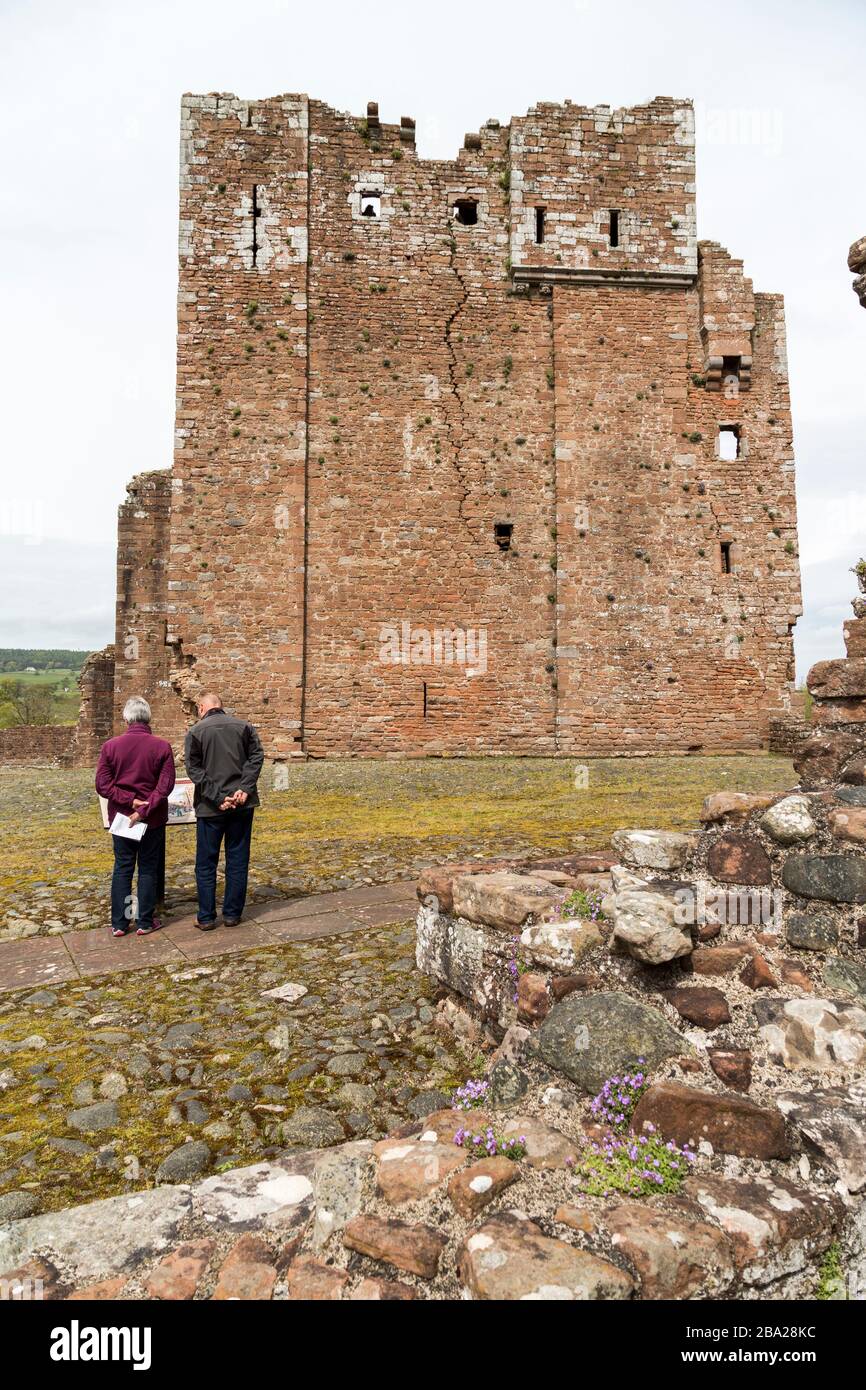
x: 344, y: 822
x: 67, y: 697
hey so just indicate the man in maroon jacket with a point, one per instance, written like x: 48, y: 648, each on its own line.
x: 136, y: 774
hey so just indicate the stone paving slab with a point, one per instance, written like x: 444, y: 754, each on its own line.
x: 31, y: 947
x: 349, y: 899
x: 378, y: 916
x: 37, y: 968
x: 321, y: 924
x: 225, y: 941
x: 39, y: 961
x: 102, y: 1237
x: 296, y: 907
x: 138, y: 948
x: 107, y: 962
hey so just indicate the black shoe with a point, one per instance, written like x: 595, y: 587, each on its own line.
x: 231, y: 921
x: 204, y: 926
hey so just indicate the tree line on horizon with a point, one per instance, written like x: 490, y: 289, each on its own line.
x: 40, y: 658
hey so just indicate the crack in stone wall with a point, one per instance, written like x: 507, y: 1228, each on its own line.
x: 457, y: 437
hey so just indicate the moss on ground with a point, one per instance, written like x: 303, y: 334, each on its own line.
x: 338, y: 824
x: 55, y: 1042
x: 342, y: 823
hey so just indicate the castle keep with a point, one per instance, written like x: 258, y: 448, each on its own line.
x: 488, y: 455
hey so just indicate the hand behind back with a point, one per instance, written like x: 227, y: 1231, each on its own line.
x: 233, y: 802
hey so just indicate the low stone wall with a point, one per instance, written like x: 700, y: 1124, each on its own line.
x: 786, y: 735
x: 34, y: 743
x: 728, y: 964
x: 835, y: 750
x: 719, y: 983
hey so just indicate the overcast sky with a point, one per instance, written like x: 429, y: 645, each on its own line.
x: 91, y: 95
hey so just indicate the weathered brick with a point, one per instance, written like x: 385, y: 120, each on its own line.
x: 366, y: 405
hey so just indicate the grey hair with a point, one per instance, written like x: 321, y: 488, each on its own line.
x: 136, y: 711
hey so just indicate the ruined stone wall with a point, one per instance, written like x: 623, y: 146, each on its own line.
x: 235, y: 585
x: 787, y: 733
x: 580, y: 164
x: 659, y: 645
x: 727, y: 963
x: 96, y: 711
x: 142, y: 659
x: 446, y: 476
x: 26, y: 744
x: 836, y: 748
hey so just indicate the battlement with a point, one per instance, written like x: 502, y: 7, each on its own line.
x: 591, y: 193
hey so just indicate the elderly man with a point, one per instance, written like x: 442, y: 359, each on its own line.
x: 223, y: 757
x: 136, y: 774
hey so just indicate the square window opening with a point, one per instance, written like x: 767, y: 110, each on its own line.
x: 729, y: 442
x: 371, y: 206
x: 502, y: 533
x: 466, y: 212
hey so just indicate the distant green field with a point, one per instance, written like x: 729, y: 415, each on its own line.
x: 63, y: 677
x: 60, y: 681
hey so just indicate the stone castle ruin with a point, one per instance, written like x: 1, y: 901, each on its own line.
x: 479, y: 456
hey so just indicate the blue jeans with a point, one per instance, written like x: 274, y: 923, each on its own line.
x: 236, y: 827
x: 147, y: 853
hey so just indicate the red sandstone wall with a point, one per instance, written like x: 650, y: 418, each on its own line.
x: 431, y: 420
x: 658, y: 649
x: 235, y: 588
x: 142, y: 658
x: 96, y: 711
x: 34, y: 743
x: 579, y: 163
x: 362, y: 402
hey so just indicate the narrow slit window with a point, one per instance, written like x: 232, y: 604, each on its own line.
x: 466, y: 212
x: 371, y: 206
x: 539, y: 226
x: 725, y: 556
x: 729, y: 442
x: 257, y: 212
x: 502, y: 533
x: 614, y: 227
x: 424, y: 699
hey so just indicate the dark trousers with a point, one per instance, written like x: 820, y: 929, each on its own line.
x: 147, y: 853
x: 236, y: 828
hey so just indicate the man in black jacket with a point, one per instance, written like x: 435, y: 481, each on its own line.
x: 223, y: 758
